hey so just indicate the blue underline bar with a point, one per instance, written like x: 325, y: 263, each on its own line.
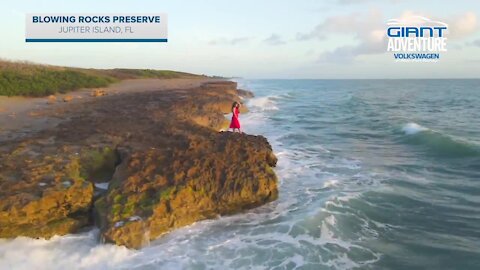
x: 96, y: 40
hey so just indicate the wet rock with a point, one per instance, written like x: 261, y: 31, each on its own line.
x: 245, y: 93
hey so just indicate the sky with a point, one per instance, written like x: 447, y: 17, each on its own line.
x: 331, y: 39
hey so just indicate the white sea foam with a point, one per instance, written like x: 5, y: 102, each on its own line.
x: 103, y: 186
x: 413, y: 128
x: 330, y: 183
x: 263, y: 103
x: 80, y: 251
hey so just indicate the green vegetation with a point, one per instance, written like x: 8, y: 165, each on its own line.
x: 98, y: 165
x: 27, y: 79
x: 36, y: 80
x: 166, y: 193
x: 72, y: 169
x: 123, y: 207
x: 145, y: 73
x: 119, y: 198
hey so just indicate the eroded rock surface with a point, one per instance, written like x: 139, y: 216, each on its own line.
x: 168, y: 166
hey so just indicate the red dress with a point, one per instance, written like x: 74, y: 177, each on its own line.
x: 235, y: 123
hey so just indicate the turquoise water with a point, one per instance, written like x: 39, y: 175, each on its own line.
x: 373, y: 175
x: 377, y: 174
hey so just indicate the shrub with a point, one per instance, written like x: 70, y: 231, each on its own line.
x: 27, y: 79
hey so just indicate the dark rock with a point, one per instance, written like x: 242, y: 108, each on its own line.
x: 245, y: 93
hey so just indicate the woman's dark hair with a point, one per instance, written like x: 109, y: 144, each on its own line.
x: 234, y: 105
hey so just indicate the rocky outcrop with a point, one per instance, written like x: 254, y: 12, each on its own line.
x: 157, y: 190
x: 42, y: 195
x: 168, y: 166
x: 46, y: 189
x: 98, y: 93
x: 244, y: 93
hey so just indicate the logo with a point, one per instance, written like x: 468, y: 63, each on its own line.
x: 417, y: 39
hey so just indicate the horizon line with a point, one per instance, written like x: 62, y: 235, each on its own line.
x: 246, y: 78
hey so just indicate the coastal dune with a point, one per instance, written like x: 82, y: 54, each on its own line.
x: 137, y: 163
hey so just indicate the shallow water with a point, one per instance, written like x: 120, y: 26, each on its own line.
x: 374, y: 174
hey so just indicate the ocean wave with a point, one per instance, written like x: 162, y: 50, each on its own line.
x: 438, y: 143
x: 330, y: 183
x: 267, y: 103
x: 79, y: 251
x: 413, y: 128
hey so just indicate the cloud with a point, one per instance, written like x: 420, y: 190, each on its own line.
x: 354, y: 23
x: 274, y: 40
x: 475, y: 43
x: 232, y: 41
x: 463, y: 25
x: 350, y: 2
x: 368, y: 29
x: 348, y: 53
x: 455, y: 46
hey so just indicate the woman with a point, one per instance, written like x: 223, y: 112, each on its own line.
x: 235, y: 124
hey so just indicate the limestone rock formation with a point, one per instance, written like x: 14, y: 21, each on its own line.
x: 42, y: 194
x: 98, y: 93
x: 67, y: 98
x: 51, y: 99
x: 167, y: 164
x: 157, y: 190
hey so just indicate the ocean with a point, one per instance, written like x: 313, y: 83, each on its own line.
x: 373, y: 174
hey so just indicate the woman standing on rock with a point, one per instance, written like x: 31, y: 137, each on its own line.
x: 235, y: 124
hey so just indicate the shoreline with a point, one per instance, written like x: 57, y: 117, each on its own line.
x: 158, y: 148
x: 24, y: 115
